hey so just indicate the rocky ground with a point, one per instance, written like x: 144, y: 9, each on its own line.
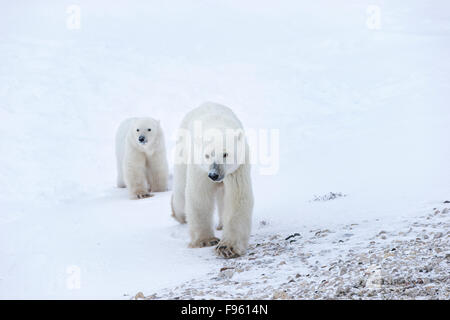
x: 407, y: 259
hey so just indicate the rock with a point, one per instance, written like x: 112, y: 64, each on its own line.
x: 139, y: 295
x: 280, y: 295
x: 293, y: 236
x: 322, y: 233
x: 340, y: 291
x: 226, y: 274
x: 438, y: 235
x: 225, y: 268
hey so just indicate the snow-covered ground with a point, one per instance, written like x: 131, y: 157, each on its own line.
x: 361, y: 107
x: 406, y: 259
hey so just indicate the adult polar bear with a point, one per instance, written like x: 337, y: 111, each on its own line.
x: 141, y: 157
x: 212, y: 167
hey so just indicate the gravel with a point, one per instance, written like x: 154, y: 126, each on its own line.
x: 409, y: 261
x: 329, y: 196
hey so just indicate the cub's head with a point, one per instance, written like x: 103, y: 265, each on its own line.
x: 223, y: 155
x: 144, y: 132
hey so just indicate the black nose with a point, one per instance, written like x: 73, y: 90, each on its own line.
x: 213, y: 176
x: 141, y: 138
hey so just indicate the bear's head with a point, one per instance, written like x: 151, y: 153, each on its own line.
x: 222, y: 154
x: 144, y: 132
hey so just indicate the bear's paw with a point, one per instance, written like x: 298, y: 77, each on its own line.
x: 141, y: 195
x: 204, y: 243
x: 227, y: 251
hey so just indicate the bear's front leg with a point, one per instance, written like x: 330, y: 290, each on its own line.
x: 135, y: 174
x: 238, y: 207
x: 199, y: 209
x: 158, y: 174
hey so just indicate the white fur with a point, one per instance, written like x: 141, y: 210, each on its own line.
x: 195, y: 195
x: 141, y: 167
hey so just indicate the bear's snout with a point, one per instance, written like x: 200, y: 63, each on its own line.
x: 213, y: 176
x: 141, y: 139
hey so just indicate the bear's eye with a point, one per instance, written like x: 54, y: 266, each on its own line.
x: 207, y: 156
x: 137, y: 130
x: 225, y: 154
x: 149, y: 129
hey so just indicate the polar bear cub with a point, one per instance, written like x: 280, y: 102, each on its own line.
x: 212, y: 169
x: 141, y: 157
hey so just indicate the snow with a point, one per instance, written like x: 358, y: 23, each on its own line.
x: 404, y: 260
x: 360, y: 111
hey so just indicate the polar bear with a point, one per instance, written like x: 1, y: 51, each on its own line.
x: 212, y: 168
x: 141, y: 157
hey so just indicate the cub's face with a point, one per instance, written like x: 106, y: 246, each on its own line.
x: 144, y: 132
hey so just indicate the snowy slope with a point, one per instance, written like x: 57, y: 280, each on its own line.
x: 360, y: 111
